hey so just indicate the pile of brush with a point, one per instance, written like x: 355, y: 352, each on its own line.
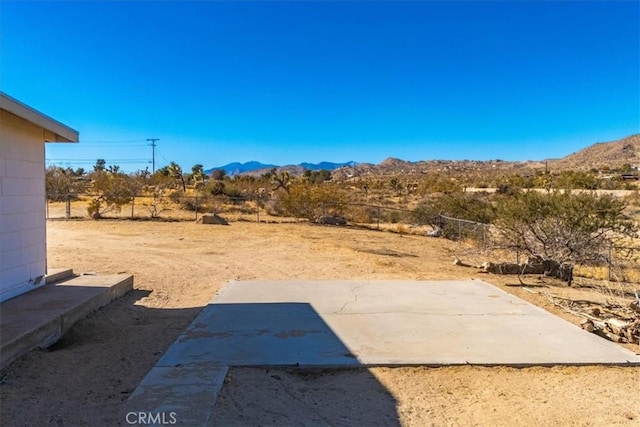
x: 616, y: 323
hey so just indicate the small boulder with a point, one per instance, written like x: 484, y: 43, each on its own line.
x: 332, y: 220
x: 212, y: 219
x: 436, y: 232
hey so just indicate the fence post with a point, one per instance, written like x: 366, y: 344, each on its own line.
x: 133, y: 202
x: 258, y: 209
x: 68, y: 207
x: 610, y: 263
x: 197, y: 207
x: 484, y: 236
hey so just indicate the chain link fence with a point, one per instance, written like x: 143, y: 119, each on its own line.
x: 180, y: 207
x: 461, y: 229
x: 622, y: 264
x: 254, y: 208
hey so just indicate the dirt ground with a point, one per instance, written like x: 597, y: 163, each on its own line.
x: 179, y: 267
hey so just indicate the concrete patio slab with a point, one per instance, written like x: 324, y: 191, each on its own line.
x: 41, y: 317
x: 356, y: 323
x: 348, y: 323
x: 259, y: 334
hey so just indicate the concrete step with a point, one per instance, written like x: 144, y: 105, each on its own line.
x: 41, y: 317
x: 58, y: 275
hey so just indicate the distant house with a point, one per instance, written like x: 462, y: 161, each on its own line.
x: 23, y: 251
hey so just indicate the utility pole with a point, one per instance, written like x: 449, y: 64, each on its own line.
x: 153, y: 153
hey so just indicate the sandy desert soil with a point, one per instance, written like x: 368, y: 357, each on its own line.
x: 179, y: 267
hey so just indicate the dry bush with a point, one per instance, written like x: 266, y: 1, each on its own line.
x: 563, y: 226
x: 305, y: 200
x: 362, y: 214
x: 274, y: 207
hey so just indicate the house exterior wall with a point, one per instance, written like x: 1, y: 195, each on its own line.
x: 22, y: 206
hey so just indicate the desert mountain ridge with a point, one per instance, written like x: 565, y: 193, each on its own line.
x: 257, y: 168
x: 602, y: 154
x: 613, y: 154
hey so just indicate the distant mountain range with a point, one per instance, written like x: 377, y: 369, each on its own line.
x: 255, y: 167
x: 237, y: 168
x: 603, y: 154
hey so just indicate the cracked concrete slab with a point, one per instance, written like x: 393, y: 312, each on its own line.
x: 393, y: 322
x: 357, y: 323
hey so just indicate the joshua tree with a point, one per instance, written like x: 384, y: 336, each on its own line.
x: 281, y: 180
x: 176, y: 172
x: 100, y: 165
x: 197, y: 174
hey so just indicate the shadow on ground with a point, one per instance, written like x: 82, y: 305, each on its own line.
x: 84, y: 377
x: 287, y: 367
x: 70, y: 384
x: 318, y: 397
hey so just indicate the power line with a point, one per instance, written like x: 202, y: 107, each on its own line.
x: 114, y: 145
x: 104, y: 141
x: 93, y: 160
x: 163, y: 157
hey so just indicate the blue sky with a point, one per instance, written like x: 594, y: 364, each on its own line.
x: 290, y: 81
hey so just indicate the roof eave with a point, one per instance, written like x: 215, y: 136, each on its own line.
x: 55, y: 131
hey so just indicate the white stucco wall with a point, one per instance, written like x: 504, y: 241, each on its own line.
x: 22, y: 206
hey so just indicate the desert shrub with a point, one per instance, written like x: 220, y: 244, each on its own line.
x: 438, y: 183
x: 508, y: 189
x: 159, y: 203
x: 394, y: 217
x: 317, y: 177
x: 401, y: 229
x: 64, y: 184
x: 112, y: 190
x: 234, y: 193
x: 175, y: 196
x: 305, y: 200
x: 186, y: 201
x: 273, y: 207
x: 473, y: 210
x: 395, y: 184
x: 218, y: 174
x: 94, y: 207
x: 563, y: 226
x: 576, y: 180
x: 427, y: 213
x: 362, y: 214
x: 215, y: 188
x: 466, y: 206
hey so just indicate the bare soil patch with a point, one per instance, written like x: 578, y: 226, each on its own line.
x: 180, y: 266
